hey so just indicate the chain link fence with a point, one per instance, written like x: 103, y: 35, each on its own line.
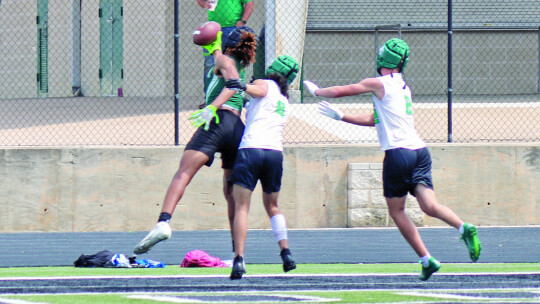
x: 104, y: 72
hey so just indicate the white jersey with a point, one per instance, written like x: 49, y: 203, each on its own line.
x: 394, y: 115
x: 265, y: 120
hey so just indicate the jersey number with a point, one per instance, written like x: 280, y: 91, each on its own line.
x: 280, y: 108
x: 408, y: 105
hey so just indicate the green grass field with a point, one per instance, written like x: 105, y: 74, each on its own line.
x: 338, y: 296
x: 261, y: 269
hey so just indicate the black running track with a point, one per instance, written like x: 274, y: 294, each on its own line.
x: 384, y: 245
x: 504, y: 245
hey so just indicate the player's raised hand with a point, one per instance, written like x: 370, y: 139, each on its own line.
x: 204, y: 117
x: 311, y: 87
x: 214, y: 46
x: 327, y: 109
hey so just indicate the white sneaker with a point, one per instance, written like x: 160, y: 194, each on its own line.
x: 161, y: 232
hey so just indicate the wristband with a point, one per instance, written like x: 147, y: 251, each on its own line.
x: 243, y: 21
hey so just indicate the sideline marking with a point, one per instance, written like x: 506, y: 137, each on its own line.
x: 444, y: 296
x: 235, y: 298
x: 289, y: 275
x: 17, y: 301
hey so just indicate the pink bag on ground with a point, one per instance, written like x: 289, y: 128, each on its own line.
x: 199, y: 258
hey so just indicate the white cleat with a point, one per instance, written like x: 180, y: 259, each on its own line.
x: 161, y: 232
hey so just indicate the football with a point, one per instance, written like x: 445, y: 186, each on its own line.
x: 206, y: 33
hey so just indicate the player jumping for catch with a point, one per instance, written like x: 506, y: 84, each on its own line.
x: 220, y: 128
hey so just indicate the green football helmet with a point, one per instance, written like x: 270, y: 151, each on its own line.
x: 393, y: 54
x: 285, y: 66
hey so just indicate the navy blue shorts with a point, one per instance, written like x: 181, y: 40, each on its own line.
x: 223, y: 137
x: 258, y: 164
x: 404, y: 169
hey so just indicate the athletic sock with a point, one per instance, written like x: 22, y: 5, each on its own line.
x: 425, y: 260
x: 461, y: 229
x: 164, y: 217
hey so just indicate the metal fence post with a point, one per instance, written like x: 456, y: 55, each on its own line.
x: 449, y: 70
x: 176, y: 89
x: 270, y: 33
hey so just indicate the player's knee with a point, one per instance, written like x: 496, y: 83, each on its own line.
x: 395, y: 211
x: 429, y: 209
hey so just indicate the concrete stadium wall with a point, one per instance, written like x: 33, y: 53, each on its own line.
x: 121, y: 188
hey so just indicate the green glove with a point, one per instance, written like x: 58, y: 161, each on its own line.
x: 212, y: 47
x: 204, y: 117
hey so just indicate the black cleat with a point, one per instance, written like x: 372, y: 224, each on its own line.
x: 238, y: 268
x: 288, y: 262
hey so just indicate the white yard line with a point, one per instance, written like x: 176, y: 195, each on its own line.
x: 188, y: 299
x: 16, y: 301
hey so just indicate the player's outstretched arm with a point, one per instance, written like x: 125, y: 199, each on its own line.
x: 311, y: 87
x: 225, y: 67
x: 330, y: 110
x: 258, y: 89
x: 204, y: 117
x: 368, y: 85
x: 366, y: 120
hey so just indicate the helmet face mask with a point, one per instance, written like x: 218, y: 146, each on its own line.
x: 285, y: 66
x: 393, y: 54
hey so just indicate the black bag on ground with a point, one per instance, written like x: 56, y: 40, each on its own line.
x: 94, y: 260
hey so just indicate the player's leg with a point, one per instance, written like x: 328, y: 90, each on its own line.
x: 396, y: 209
x: 398, y: 168
x: 270, y: 177
x: 427, y: 200
x: 190, y: 163
x: 242, y: 198
x: 228, y: 193
x: 244, y: 179
x: 278, y: 224
x: 279, y: 227
x: 428, y: 203
x: 208, y: 64
x: 232, y: 129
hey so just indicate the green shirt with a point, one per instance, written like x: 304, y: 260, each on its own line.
x: 215, y: 84
x: 227, y: 12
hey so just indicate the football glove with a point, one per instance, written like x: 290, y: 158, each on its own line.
x: 327, y: 109
x: 204, y: 117
x: 311, y: 87
x: 235, y: 84
x: 212, y: 47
